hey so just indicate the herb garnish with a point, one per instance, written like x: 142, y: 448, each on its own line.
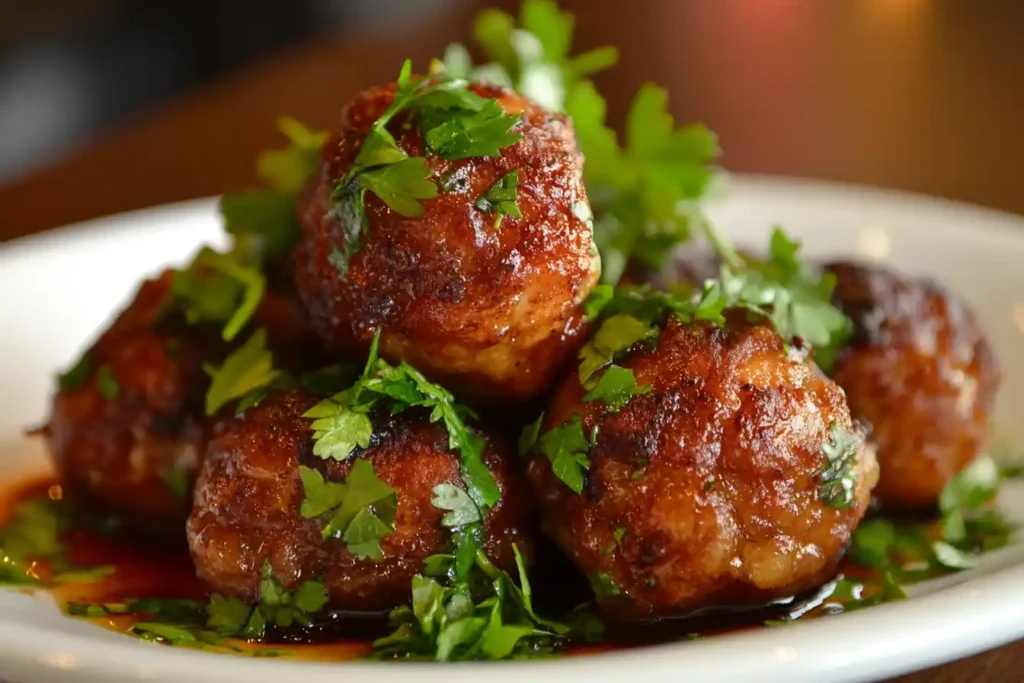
x: 342, y: 422
x: 838, y: 475
x: 501, y: 198
x: 567, y: 447
x: 615, y: 388
x: 77, y: 375
x: 455, y: 123
x: 362, y: 508
x: 219, y: 288
x: 265, y: 219
x: 246, y: 369
x: 106, y: 382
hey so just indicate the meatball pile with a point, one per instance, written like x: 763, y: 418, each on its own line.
x: 717, y: 466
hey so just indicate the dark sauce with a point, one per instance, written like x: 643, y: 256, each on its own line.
x: 148, y: 566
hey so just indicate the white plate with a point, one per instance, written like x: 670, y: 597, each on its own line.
x: 58, y: 289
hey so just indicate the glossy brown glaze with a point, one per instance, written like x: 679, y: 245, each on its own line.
x: 921, y: 372
x: 490, y: 313
x: 712, y: 476
x: 248, y: 497
x: 116, y: 455
x: 120, y: 455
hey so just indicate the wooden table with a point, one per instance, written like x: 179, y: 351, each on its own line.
x: 911, y: 94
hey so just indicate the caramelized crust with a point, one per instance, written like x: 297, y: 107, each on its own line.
x: 710, y: 480
x: 489, y: 313
x: 135, y: 455
x: 249, y: 493
x: 920, y: 371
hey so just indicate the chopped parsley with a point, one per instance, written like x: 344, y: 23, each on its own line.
x: 616, y: 387
x: 36, y: 532
x: 362, y: 509
x: 77, y: 375
x: 501, y: 199
x: 604, y: 586
x: 178, y: 481
x: 265, y: 219
x: 568, y: 448
x: 838, y: 475
x: 533, y: 58
x: 341, y: 423
x: 969, y: 525
x: 219, y: 288
x: 107, y: 383
x: 614, y: 337
x: 455, y: 123
x: 246, y: 369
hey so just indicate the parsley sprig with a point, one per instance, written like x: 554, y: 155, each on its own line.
x: 501, y: 199
x: 219, y: 288
x: 970, y: 524
x: 838, y: 475
x: 341, y: 423
x: 455, y: 123
x: 362, y: 508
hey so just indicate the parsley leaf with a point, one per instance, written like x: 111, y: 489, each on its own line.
x: 401, y: 185
x: 501, y: 198
x: 363, y: 508
x: 462, y: 509
x: 567, y: 447
x: 616, y: 387
x: 604, y: 586
x: 219, y: 288
x: 839, y: 473
x: 265, y: 219
x: 107, y: 383
x: 77, y: 375
x: 482, y: 133
x: 342, y: 422
x: 616, y: 335
x: 249, y: 367
x: 178, y: 481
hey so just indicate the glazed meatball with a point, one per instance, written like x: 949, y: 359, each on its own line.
x: 128, y: 435
x: 249, y: 495
x: 706, y: 490
x: 488, y: 312
x: 921, y: 373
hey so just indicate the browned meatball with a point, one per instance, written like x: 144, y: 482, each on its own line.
x: 249, y: 494
x: 128, y: 436
x: 127, y: 439
x: 485, y: 311
x: 705, y: 491
x: 918, y: 370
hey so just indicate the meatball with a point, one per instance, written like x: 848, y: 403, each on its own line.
x: 128, y: 435
x: 706, y: 490
x: 249, y: 494
x: 489, y: 312
x: 127, y: 438
x: 921, y: 373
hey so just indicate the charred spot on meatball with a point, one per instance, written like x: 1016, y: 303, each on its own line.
x: 489, y: 310
x: 706, y: 487
x: 249, y: 498
x: 920, y: 372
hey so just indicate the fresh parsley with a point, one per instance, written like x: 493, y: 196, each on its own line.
x: 106, y: 382
x: 455, y: 123
x: 342, y: 422
x: 615, y: 388
x: 77, y: 375
x: 246, y: 369
x: 501, y: 199
x: 838, y: 475
x: 362, y: 509
x: 616, y: 335
x: 567, y: 448
x: 178, y: 481
x: 265, y: 219
x: 219, y: 288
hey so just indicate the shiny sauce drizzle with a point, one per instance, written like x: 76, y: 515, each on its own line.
x: 143, y: 566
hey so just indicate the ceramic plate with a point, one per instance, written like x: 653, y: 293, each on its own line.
x: 59, y: 288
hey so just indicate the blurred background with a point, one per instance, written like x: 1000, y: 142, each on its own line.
x: 137, y: 102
